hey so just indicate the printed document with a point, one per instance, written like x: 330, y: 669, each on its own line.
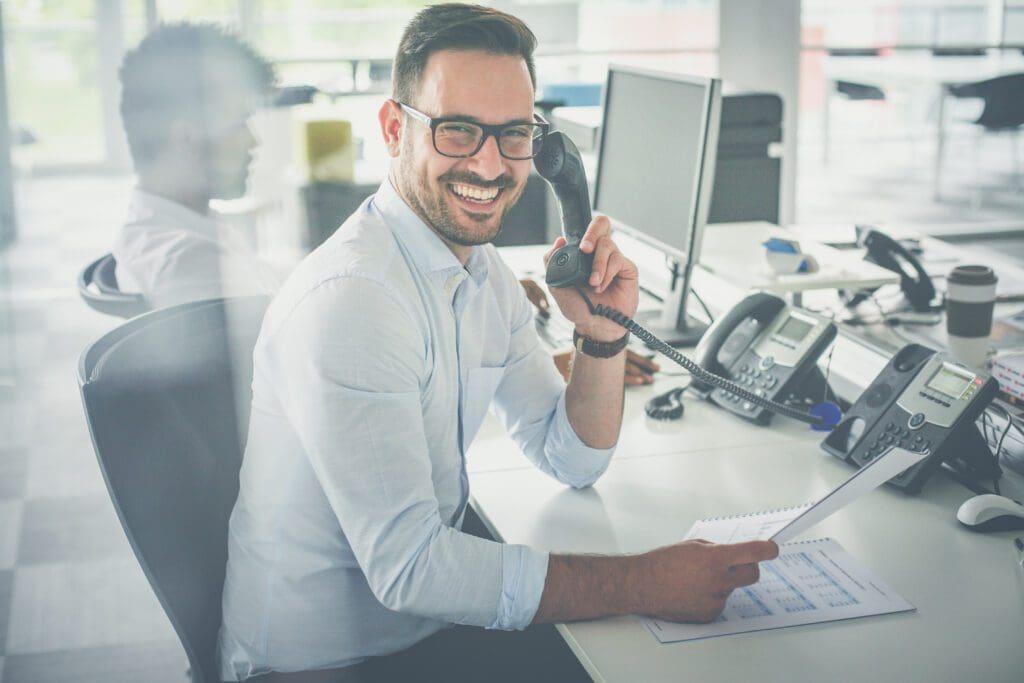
x: 809, y: 582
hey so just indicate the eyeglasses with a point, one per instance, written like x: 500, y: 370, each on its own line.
x: 458, y: 138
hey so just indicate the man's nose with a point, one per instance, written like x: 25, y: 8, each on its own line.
x: 252, y: 138
x: 488, y: 162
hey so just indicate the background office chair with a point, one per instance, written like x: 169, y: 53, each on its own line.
x: 166, y: 397
x: 97, y: 284
x: 852, y: 90
x: 1003, y: 110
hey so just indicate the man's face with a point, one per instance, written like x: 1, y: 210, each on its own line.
x: 228, y: 145
x: 465, y: 200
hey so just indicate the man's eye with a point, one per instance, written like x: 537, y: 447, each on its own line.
x: 517, y: 132
x: 456, y: 128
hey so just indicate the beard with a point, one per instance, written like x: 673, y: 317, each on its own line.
x: 431, y: 203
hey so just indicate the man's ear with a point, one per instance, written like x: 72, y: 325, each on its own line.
x: 185, y: 138
x: 392, y: 121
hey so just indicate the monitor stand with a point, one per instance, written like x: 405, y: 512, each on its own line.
x: 672, y: 325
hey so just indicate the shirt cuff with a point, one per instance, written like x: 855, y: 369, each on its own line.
x: 523, y: 573
x: 574, y: 462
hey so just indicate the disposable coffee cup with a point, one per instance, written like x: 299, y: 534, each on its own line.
x: 970, y: 298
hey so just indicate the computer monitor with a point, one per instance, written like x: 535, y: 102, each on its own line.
x: 656, y: 166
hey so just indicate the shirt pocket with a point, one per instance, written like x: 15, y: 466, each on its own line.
x: 481, y: 383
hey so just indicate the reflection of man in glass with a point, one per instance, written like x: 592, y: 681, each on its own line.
x: 187, y: 94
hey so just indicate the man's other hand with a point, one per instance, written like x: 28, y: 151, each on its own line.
x: 639, y: 369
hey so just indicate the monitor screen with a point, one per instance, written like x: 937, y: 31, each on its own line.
x: 652, y: 165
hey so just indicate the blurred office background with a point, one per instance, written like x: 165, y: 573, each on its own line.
x: 871, y: 110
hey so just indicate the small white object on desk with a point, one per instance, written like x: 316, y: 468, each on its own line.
x: 730, y: 249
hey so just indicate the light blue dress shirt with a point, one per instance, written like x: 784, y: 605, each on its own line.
x: 375, y: 366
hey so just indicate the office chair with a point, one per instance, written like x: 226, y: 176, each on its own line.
x: 1003, y: 110
x: 852, y: 90
x: 166, y: 398
x: 97, y: 285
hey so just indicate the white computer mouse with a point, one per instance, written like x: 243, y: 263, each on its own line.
x: 989, y: 512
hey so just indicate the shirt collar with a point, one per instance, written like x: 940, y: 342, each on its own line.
x: 146, y: 204
x: 427, y: 250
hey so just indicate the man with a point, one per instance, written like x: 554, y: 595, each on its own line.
x: 374, y: 368
x: 187, y: 94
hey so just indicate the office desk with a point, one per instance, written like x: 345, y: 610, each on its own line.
x: 969, y: 623
x: 735, y: 253
x: 937, y: 74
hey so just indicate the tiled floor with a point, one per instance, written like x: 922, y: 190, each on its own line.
x: 74, y: 605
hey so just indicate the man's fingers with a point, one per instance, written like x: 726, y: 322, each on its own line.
x: 644, y: 363
x: 751, y: 552
x: 635, y: 375
x: 744, y: 574
x: 607, y: 263
x: 598, y: 228
x: 560, y: 242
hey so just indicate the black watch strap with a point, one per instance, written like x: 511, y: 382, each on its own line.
x: 598, y: 349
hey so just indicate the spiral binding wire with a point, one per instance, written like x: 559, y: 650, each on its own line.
x: 695, y: 370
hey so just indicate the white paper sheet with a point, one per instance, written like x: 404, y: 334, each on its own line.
x: 809, y: 582
x: 786, y: 524
x: 871, y: 476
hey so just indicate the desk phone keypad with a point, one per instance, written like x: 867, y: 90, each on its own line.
x: 760, y: 376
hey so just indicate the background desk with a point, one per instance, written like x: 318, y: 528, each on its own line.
x: 969, y: 623
x: 910, y: 72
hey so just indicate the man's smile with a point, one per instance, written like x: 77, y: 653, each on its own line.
x: 474, y: 195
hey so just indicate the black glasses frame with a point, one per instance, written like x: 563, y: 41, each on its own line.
x: 488, y: 131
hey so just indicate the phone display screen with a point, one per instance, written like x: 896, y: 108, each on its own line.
x: 950, y: 382
x: 794, y: 330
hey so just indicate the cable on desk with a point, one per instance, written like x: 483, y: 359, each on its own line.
x: 696, y: 296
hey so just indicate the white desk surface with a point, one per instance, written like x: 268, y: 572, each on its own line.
x: 734, y: 252
x: 969, y: 623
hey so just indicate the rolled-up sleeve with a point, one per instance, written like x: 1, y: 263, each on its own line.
x: 349, y: 364
x: 530, y: 402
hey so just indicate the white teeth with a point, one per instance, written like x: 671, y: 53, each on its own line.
x: 477, y: 193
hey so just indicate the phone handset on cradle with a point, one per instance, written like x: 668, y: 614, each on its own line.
x: 560, y: 164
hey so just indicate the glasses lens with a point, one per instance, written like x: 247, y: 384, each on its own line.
x: 457, y: 138
x: 522, y: 141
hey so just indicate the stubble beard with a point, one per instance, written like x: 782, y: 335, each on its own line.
x: 431, y: 205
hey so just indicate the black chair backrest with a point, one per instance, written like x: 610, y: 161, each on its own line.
x: 1004, y: 100
x: 97, y: 285
x: 959, y: 52
x: 166, y: 396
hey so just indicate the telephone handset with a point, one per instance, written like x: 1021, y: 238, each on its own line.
x: 764, y: 345
x: 921, y: 400
x: 886, y: 252
x: 560, y: 164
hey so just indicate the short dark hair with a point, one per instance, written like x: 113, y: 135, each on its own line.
x: 457, y: 26
x: 166, y: 78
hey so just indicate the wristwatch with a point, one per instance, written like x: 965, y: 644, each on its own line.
x: 598, y: 349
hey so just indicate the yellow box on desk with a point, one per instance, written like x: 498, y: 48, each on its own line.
x: 325, y: 148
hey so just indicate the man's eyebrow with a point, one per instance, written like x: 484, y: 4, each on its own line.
x: 472, y: 119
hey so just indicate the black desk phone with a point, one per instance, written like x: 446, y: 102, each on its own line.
x: 785, y: 331
x: 764, y: 345
x: 921, y: 400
